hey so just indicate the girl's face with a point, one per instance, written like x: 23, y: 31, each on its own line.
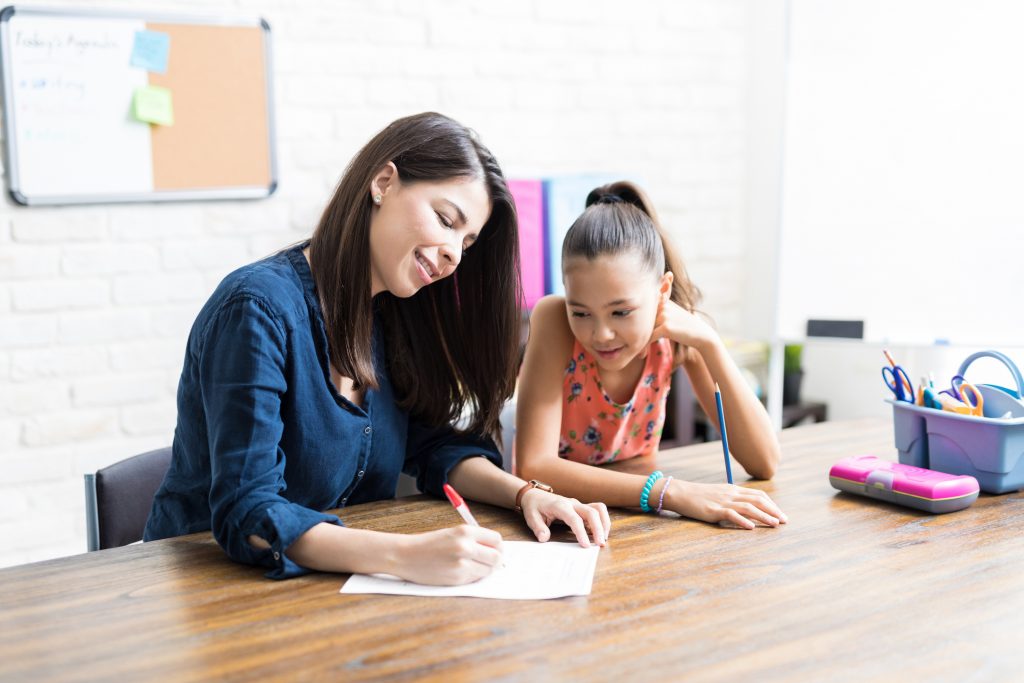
x: 419, y: 230
x: 612, y: 303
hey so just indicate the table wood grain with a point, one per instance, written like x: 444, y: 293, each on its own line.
x: 850, y: 590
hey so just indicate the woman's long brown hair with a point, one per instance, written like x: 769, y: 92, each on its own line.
x: 451, y: 348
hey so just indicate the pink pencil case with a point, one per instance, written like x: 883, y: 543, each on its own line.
x: 893, y: 482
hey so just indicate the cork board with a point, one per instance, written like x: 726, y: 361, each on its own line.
x: 72, y: 135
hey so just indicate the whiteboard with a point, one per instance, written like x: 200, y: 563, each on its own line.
x: 65, y: 118
x: 71, y: 137
x: 903, y: 170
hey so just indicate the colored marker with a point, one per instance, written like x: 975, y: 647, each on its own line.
x: 460, y: 505
x: 725, y: 436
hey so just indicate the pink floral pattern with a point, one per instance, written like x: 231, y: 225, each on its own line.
x: 596, y: 429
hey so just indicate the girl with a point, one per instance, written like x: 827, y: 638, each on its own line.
x: 598, y: 365
x: 314, y: 377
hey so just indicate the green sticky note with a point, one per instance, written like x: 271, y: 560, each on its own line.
x: 152, y: 104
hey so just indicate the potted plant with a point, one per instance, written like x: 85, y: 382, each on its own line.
x: 792, y: 374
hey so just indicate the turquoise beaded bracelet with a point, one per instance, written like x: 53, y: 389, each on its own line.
x: 646, y: 493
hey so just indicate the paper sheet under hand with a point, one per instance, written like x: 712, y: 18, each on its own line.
x: 532, y: 571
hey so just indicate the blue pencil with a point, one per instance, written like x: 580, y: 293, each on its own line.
x: 725, y: 436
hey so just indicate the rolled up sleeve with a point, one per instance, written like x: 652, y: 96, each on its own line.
x: 432, y: 452
x: 243, y: 380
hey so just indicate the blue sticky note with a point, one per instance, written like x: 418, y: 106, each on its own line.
x: 150, y: 50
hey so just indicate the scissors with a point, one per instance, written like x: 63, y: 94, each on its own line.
x: 955, y: 385
x: 898, y: 382
x: 971, y: 402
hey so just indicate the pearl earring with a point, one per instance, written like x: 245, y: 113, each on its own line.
x: 377, y: 198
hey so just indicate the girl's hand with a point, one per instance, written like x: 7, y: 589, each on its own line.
x: 541, y: 508
x: 449, y: 557
x: 723, y: 503
x: 680, y: 326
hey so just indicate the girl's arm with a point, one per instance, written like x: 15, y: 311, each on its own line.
x: 538, y: 423
x: 752, y: 439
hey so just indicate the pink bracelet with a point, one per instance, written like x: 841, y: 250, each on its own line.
x: 661, y: 498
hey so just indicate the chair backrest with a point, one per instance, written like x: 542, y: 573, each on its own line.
x: 118, y: 498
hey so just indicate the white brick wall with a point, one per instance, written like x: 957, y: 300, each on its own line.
x: 96, y: 302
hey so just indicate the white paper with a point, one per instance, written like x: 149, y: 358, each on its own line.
x: 532, y: 571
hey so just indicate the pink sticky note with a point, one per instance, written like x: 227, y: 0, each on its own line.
x: 529, y: 198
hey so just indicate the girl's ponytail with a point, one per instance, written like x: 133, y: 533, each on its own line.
x: 624, y: 192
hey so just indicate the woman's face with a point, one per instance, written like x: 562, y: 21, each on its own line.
x: 612, y: 304
x: 419, y: 230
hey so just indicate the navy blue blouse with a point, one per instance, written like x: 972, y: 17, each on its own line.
x: 264, y: 442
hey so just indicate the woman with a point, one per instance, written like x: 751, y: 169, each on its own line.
x: 314, y: 377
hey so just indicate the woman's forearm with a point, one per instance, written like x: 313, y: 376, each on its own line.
x: 587, y: 483
x: 332, y: 548
x: 449, y: 556
x: 477, y: 478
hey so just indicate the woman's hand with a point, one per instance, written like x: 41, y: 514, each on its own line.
x: 541, y: 508
x: 723, y: 503
x: 679, y: 325
x: 449, y: 557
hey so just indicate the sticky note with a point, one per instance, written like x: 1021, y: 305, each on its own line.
x: 152, y: 104
x: 150, y: 49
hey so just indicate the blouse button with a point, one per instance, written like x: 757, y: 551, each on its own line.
x: 361, y: 473
x: 367, y: 430
x: 277, y: 555
x: 344, y: 500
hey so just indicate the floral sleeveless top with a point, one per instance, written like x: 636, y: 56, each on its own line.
x: 596, y: 429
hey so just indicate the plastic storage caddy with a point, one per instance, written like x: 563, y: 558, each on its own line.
x: 989, y: 448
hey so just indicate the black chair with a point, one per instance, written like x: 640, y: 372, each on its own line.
x: 118, y: 498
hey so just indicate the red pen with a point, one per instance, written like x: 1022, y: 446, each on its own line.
x: 460, y: 505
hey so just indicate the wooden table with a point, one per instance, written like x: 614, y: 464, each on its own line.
x: 849, y: 590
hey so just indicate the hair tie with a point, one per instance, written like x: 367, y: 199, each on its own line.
x: 609, y: 199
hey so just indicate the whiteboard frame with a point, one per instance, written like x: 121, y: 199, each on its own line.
x: 209, y: 193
